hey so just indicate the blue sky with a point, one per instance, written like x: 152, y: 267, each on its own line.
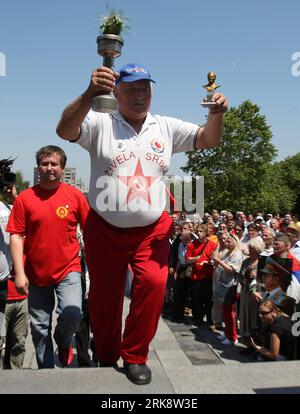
x: 50, y: 50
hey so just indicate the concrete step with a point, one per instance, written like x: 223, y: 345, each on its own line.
x: 184, y: 359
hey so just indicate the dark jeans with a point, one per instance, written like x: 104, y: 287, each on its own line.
x: 3, y: 298
x: 82, y: 338
x: 180, y: 296
x: 202, y: 300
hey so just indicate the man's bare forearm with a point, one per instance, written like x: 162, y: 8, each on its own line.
x: 73, y: 116
x: 102, y: 82
x: 213, y: 130
x: 210, y: 135
x: 16, y: 248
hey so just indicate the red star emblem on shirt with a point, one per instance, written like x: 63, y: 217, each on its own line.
x: 138, y: 184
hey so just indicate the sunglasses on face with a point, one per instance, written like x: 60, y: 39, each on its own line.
x: 291, y: 234
x: 263, y: 313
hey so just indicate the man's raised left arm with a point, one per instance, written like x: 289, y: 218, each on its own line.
x: 210, y: 134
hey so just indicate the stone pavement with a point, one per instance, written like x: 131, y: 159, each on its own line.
x: 184, y: 359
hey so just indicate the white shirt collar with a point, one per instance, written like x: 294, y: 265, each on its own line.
x: 275, y: 291
x: 150, y: 120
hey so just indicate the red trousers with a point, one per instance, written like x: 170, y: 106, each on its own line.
x: 230, y: 322
x: 109, y: 250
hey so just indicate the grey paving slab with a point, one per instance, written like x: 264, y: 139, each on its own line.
x: 73, y: 380
x: 82, y: 381
x: 252, y: 378
x: 184, y: 359
x: 202, y: 345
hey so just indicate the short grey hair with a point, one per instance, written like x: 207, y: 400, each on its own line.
x: 257, y: 244
x: 220, y: 233
x: 270, y: 231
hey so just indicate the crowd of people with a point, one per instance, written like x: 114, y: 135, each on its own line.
x: 58, y: 238
x: 214, y: 279
x: 226, y: 269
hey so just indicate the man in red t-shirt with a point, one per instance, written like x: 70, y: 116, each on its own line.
x: 199, y: 253
x: 44, y: 250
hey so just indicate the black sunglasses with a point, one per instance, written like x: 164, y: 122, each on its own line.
x: 264, y: 312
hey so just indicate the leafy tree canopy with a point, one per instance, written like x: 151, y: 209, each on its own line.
x: 21, y: 184
x: 239, y: 174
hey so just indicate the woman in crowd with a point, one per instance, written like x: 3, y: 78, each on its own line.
x: 239, y: 229
x: 222, y: 227
x: 226, y: 272
x: 220, y: 252
x: 279, y: 329
x: 182, y: 279
x: 211, y: 233
x: 242, y: 237
x: 198, y: 254
x: 248, y: 311
x: 252, y: 232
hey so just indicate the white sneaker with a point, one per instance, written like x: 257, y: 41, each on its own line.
x: 221, y: 337
x: 229, y: 342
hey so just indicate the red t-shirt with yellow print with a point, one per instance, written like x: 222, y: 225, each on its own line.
x: 48, y: 219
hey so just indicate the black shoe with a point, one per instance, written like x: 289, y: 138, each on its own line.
x: 139, y: 374
x: 108, y: 364
x: 84, y: 365
x: 178, y: 319
x: 247, y: 351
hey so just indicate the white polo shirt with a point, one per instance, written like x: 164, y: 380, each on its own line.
x: 5, y: 258
x: 127, y: 184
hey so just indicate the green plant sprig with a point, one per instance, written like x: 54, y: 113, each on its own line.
x: 113, y: 23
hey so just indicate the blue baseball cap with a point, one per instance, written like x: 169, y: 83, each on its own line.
x: 134, y: 72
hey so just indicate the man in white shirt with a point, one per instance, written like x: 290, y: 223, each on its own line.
x: 268, y: 236
x: 130, y: 154
x: 269, y: 219
x: 293, y: 233
x: 9, y: 193
x: 272, y: 284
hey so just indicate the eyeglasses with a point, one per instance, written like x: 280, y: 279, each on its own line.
x: 291, y: 234
x: 263, y: 313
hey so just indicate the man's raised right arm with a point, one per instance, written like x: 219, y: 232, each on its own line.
x: 102, y: 82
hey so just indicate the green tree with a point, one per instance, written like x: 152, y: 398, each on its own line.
x: 288, y: 172
x: 276, y: 196
x: 21, y: 184
x: 237, y: 171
